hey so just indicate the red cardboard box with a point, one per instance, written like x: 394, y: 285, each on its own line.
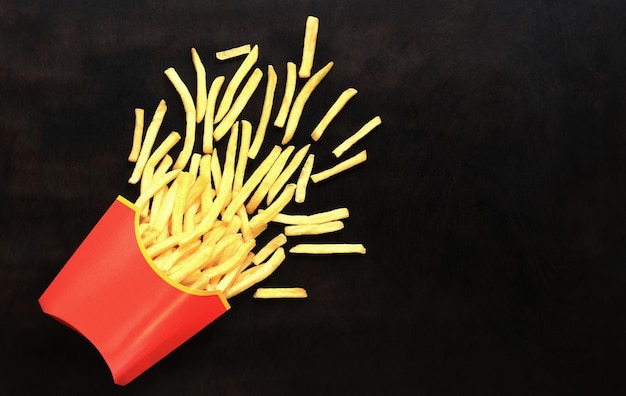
x: 112, y: 293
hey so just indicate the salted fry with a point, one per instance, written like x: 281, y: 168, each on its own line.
x: 303, y: 179
x: 340, y: 167
x: 190, y: 117
x: 233, y: 52
x: 280, y: 292
x: 234, y: 83
x: 256, y: 274
x: 360, y: 134
x: 201, y: 93
x: 289, y: 170
x: 328, y: 248
x: 308, y: 49
x: 148, y: 142
x: 316, y: 218
x: 290, y: 90
x: 137, y: 135
x: 207, y: 136
x: 314, y: 229
x: 269, y: 248
x: 244, y: 96
x: 332, y: 113
x: 268, y: 180
x: 303, y: 96
x: 268, y: 102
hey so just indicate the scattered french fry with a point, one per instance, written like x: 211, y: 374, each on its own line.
x: 148, y: 142
x: 360, y: 134
x: 190, y: 117
x: 308, y: 49
x: 280, y: 292
x: 284, y: 176
x: 265, y: 112
x: 267, y: 250
x: 328, y: 248
x: 137, y: 135
x: 316, y: 218
x: 234, y: 83
x: 233, y: 52
x: 332, y: 113
x: 268, y: 180
x: 290, y: 90
x: 303, y: 179
x: 201, y: 92
x: 313, y: 229
x: 209, y: 120
x: 340, y: 167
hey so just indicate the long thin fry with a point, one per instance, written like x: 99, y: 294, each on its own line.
x: 289, y: 170
x: 268, y: 180
x: 185, y: 181
x: 328, y: 248
x: 235, y: 81
x: 280, y: 292
x: 256, y: 274
x: 158, y: 154
x: 148, y: 142
x: 233, y: 52
x: 308, y: 49
x: 190, y: 117
x: 313, y: 229
x: 300, y: 101
x: 279, y: 204
x: 216, y: 170
x: 266, y: 111
x: 155, y: 186
x: 201, y: 93
x: 207, y: 136
x: 137, y: 135
x: 316, y: 218
x: 332, y: 113
x: 303, y: 179
x: 269, y: 248
x: 242, y: 160
x: 251, y: 183
x: 244, y: 96
x: 290, y: 90
x: 166, y: 208
x: 340, y: 167
x: 360, y: 134
x: 231, y: 275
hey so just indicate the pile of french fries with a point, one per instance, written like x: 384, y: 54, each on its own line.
x: 200, y: 214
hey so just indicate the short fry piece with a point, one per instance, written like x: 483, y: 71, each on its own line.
x: 308, y: 49
x: 266, y: 111
x: 290, y: 90
x: 316, y: 218
x: 328, y: 248
x: 301, y: 99
x: 233, y: 52
x: 137, y: 135
x: 332, y: 113
x: 340, y: 167
x: 280, y: 292
x: 361, y: 133
x: 303, y: 178
x: 154, y: 187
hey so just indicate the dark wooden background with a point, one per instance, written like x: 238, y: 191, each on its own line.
x: 493, y: 203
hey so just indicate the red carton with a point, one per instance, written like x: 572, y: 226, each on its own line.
x: 111, y: 292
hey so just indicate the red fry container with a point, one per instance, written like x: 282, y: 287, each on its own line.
x: 111, y: 292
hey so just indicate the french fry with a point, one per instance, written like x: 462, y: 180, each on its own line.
x: 201, y: 93
x: 256, y: 274
x: 216, y: 170
x: 228, y: 279
x: 303, y: 96
x: 332, y: 113
x: 279, y: 204
x: 242, y: 160
x: 268, y: 180
x: 158, y: 154
x: 148, y: 142
x: 328, y: 248
x: 313, y: 229
x: 207, y: 136
x: 266, y: 111
x: 154, y: 187
x: 280, y: 292
x: 303, y: 179
x: 308, y: 49
x: 234, y: 83
x: 290, y: 90
x: 284, y: 176
x: 185, y: 181
x: 340, y: 167
x: 194, y: 165
x: 360, y: 134
x: 190, y: 117
x: 244, y: 96
x: 316, y: 218
x: 269, y: 248
x: 233, y: 52
x: 137, y: 135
